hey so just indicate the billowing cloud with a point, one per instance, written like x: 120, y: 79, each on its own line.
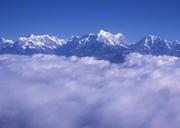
x: 46, y: 91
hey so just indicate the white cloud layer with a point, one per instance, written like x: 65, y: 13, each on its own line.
x: 46, y: 91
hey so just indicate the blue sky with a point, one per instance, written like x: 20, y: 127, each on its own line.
x: 63, y: 18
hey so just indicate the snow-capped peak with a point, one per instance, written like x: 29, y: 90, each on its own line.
x: 73, y: 38
x: 6, y: 41
x: 110, y: 39
x: 151, y: 38
x: 36, y: 41
x: 150, y: 41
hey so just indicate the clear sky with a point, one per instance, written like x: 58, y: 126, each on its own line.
x: 63, y: 18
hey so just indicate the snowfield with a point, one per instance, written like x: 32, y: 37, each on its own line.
x: 48, y: 91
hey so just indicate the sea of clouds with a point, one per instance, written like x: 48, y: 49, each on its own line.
x: 47, y: 91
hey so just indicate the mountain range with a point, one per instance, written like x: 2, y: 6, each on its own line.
x: 103, y: 45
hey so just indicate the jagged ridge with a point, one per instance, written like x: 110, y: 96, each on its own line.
x: 103, y: 45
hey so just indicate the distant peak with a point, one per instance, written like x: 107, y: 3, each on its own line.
x: 75, y: 37
x: 31, y: 35
x: 111, y: 39
x: 38, y: 36
x: 152, y: 37
x: 6, y: 41
x: 108, y: 34
x: 103, y: 32
x: 91, y: 34
x: 40, y: 41
x: 150, y: 41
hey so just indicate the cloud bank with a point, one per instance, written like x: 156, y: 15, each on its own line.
x: 46, y: 91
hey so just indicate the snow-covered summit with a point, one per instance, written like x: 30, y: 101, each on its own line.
x: 40, y: 41
x: 154, y: 45
x: 151, y: 41
x: 151, y: 38
x: 6, y: 41
x: 110, y: 39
